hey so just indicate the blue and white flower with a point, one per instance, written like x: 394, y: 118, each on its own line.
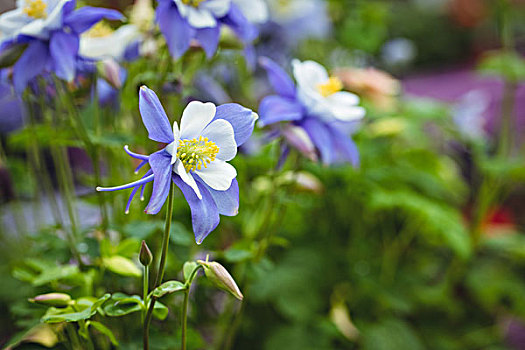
x: 256, y: 11
x: 51, y: 31
x: 182, y: 21
x: 195, y: 158
x: 315, y: 117
x: 322, y: 95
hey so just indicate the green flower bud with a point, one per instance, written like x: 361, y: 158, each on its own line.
x: 52, y: 299
x: 145, y: 255
x: 221, y: 278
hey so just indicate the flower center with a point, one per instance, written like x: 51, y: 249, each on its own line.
x: 99, y: 30
x: 193, y: 3
x: 332, y: 85
x: 196, y: 153
x: 35, y: 9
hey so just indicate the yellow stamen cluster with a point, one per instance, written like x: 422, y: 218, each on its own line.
x: 35, y: 8
x: 193, y: 3
x: 196, y: 153
x: 99, y: 30
x: 332, y: 85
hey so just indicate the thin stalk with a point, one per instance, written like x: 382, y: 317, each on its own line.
x: 65, y: 186
x: 145, y: 286
x: 162, y: 265
x: 185, y: 317
x: 95, y: 157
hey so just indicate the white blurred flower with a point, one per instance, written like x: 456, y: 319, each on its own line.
x: 398, y: 52
x: 256, y: 11
x: 322, y: 95
x: 102, y: 42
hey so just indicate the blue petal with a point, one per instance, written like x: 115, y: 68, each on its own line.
x: 153, y: 116
x: 321, y: 137
x: 275, y: 109
x: 160, y: 163
x: 245, y: 30
x: 346, y: 148
x: 227, y: 202
x: 208, y: 38
x: 64, y: 48
x: 204, y: 212
x: 280, y: 81
x: 176, y: 30
x: 32, y: 63
x: 86, y: 17
x: 242, y: 119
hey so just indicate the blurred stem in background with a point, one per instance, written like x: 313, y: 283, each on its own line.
x: 491, y: 186
x: 162, y: 265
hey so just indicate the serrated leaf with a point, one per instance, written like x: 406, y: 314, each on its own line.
x: 168, y: 288
x: 122, y: 304
x: 122, y: 266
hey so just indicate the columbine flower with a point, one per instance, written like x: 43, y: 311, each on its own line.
x: 319, y: 115
x: 195, y: 158
x: 51, y: 30
x: 181, y: 21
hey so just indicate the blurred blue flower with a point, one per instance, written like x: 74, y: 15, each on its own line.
x: 195, y: 158
x: 51, y: 30
x: 470, y: 114
x: 318, y: 115
x: 182, y: 21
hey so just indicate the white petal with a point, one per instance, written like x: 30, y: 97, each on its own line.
x: 309, y: 74
x: 111, y: 46
x: 54, y: 17
x: 256, y: 11
x: 342, y: 105
x: 36, y: 29
x: 183, y: 9
x: 218, y: 175
x: 201, y: 18
x: 195, y: 118
x: 172, y: 147
x: 221, y: 132
x: 178, y: 168
x: 12, y: 21
x: 218, y: 8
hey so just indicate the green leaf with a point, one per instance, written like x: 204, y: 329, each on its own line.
x: 509, y: 65
x: 160, y: 311
x: 83, y: 309
x: 122, y: 266
x: 188, y: 268
x: 104, y: 330
x: 122, y: 304
x: 239, y: 251
x: 168, y: 288
x: 55, y: 274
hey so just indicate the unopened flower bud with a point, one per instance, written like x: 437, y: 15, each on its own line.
x: 222, y: 279
x: 145, y: 255
x: 52, y: 299
x: 109, y: 69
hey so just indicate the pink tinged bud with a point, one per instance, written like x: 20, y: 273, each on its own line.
x: 299, y: 139
x: 221, y: 278
x: 52, y: 299
x: 145, y: 256
x: 303, y: 180
x: 109, y: 69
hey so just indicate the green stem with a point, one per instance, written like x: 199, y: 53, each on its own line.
x: 95, y: 158
x: 185, y: 317
x: 162, y: 265
x: 145, y: 286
